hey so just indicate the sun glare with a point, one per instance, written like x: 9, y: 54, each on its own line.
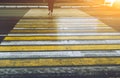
x: 110, y: 2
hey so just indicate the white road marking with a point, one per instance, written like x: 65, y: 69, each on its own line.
x: 61, y: 23
x: 64, y: 42
x: 67, y: 54
x: 67, y: 34
x: 66, y: 28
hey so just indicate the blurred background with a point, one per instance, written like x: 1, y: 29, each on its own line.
x: 112, y: 3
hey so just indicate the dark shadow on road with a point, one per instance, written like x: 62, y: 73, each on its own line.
x: 8, y: 19
x: 108, y: 15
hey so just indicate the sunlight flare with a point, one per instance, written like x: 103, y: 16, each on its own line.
x: 110, y: 2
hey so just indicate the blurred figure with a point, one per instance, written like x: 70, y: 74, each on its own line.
x: 50, y: 6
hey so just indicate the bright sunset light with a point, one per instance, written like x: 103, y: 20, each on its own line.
x: 110, y: 2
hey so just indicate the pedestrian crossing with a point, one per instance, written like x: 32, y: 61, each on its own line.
x: 70, y: 38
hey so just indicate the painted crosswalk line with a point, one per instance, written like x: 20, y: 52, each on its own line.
x: 66, y: 34
x: 59, y: 62
x: 63, y: 42
x: 60, y: 54
x: 53, y: 25
x: 25, y: 38
x: 64, y: 28
x: 59, y: 47
x: 59, y: 31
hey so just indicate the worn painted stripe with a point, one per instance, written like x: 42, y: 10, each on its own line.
x: 62, y: 20
x: 70, y: 42
x: 58, y: 25
x: 52, y: 21
x: 24, y: 38
x: 79, y: 17
x: 64, y: 28
x: 3, y: 34
x: 18, y: 6
x: 59, y: 62
x: 32, y: 6
x: 61, y: 54
x: 75, y: 18
x: 67, y: 34
x: 61, y: 31
x: 59, y: 47
x: 94, y: 23
x: 82, y: 22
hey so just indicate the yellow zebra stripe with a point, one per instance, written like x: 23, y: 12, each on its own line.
x: 59, y: 62
x: 9, y: 38
x: 59, y: 31
x: 59, y: 47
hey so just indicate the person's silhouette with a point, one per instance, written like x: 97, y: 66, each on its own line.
x: 50, y: 6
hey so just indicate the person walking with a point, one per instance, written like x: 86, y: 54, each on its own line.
x: 50, y: 6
